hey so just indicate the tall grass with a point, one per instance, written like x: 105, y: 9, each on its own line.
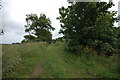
x: 19, y: 61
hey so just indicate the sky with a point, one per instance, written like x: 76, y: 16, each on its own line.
x: 13, y: 14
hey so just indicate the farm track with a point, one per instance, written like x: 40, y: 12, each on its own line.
x: 37, y: 70
x: 39, y: 67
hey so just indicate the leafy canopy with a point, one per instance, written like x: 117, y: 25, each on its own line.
x: 89, y: 24
x: 39, y: 27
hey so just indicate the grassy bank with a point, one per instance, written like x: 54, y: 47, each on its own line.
x: 41, y: 60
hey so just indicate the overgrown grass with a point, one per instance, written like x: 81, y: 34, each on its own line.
x: 19, y: 60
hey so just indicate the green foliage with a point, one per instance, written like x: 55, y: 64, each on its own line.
x: 59, y: 39
x: 29, y: 38
x: 89, y: 24
x: 53, y: 41
x: 44, y: 35
x: 38, y: 26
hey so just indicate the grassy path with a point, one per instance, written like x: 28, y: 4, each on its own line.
x: 59, y: 64
x: 41, y: 60
x: 37, y: 70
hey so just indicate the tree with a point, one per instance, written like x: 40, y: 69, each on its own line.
x: 60, y: 39
x: 0, y: 4
x: 89, y: 24
x: 40, y: 27
x: 29, y: 38
x: 1, y: 31
x: 44, y: 35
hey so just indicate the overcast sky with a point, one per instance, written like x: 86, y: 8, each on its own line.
x: 13, y: 14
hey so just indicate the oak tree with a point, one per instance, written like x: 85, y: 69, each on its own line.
x: 39, y: 26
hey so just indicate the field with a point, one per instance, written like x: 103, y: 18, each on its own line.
x: 42, y: 60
